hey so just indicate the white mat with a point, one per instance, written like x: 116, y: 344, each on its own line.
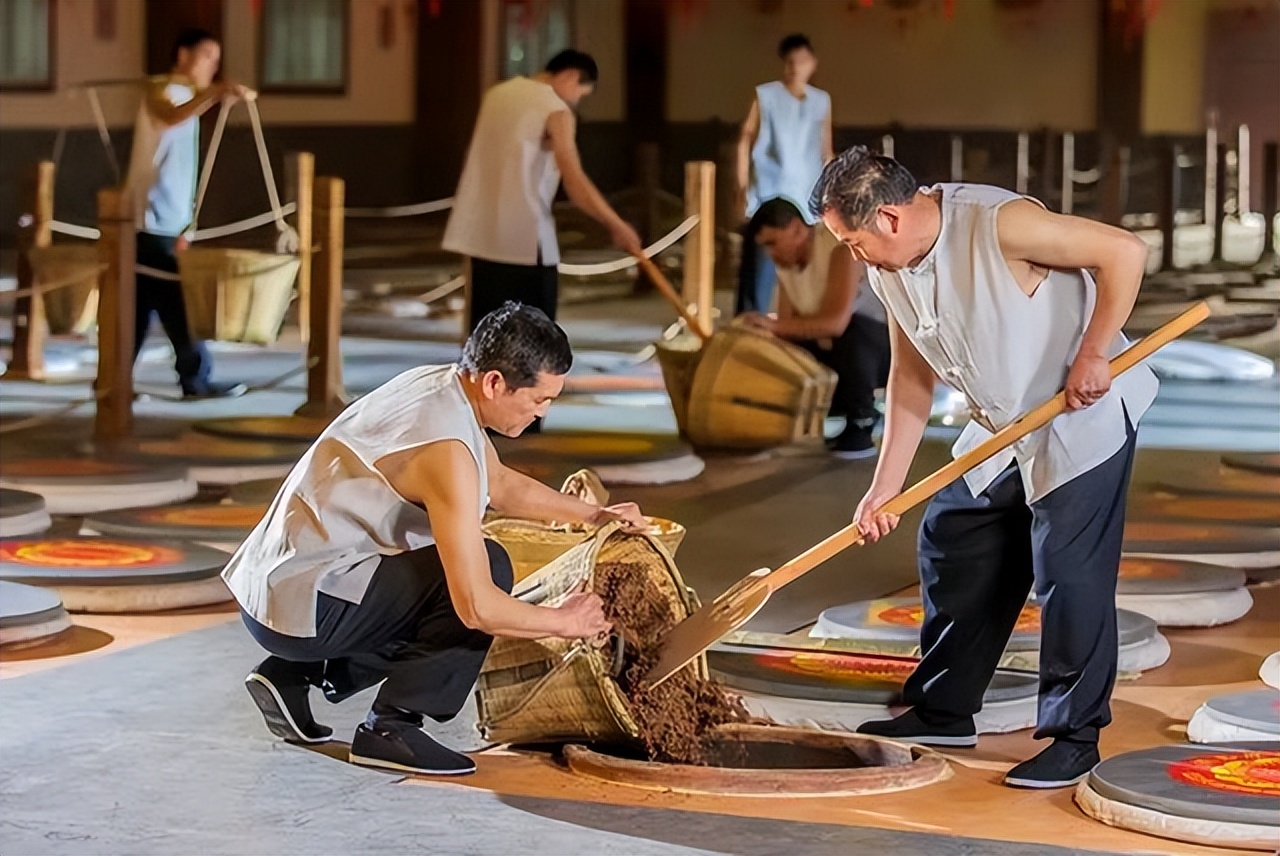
x: 1203, y: 609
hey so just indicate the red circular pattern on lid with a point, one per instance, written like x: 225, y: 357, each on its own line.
x: 88, y: 553
x: 62, y: 467
x: 913, y: 616
x: 1256, y: 773
x: 228, y: 516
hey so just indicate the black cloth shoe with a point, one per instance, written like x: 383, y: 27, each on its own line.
x: 1061, y: 765
x: 913, y: 727
x: 852, y: 444
x: 206, y: 391
x: 279, y: 688
x: 393, y: 739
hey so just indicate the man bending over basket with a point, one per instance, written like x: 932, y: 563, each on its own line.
x: 371, y: 566
x: 1008, y: 303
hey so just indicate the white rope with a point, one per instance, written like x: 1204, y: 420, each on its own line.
x: 213, y: 232
x: 103, y: 133
x: 629, y: 261
x: 442, y: 290
x: 44, y: 286
x: 1086, y: 176
x: 402, y: 210
x: 242, y: 225
x: 288, y: 241
x: 53, y: 416
x: 86, y: 232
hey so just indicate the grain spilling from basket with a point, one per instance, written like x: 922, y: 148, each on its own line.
x: 565, y: 691
x: 675, y: 717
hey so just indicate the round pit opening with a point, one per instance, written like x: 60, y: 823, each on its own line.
x: 767, y: 760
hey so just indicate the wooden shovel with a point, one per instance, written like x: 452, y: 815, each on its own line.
x: 732, y: 609
x: 697, y: 325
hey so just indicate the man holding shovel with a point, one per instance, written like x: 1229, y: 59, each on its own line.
x: 1008, y: 303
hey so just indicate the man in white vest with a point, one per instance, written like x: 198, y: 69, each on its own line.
x: 825, y: 307
x: 1008, y: 303
x: 163, y: 166
x: 370, y: 567
x: 523, y: 146
x: 783, y: 143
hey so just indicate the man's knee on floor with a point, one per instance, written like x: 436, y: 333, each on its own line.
x: 500, y: 568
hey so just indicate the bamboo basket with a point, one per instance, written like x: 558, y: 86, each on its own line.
x: 532, y: 545
x: 753, y: 391
x: 236, y: 295
x: 679, y: 359
x: 70, y: 309
x: 560, y: 690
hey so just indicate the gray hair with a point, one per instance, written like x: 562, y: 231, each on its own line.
x: 857, y: 182
x: 519, y: 341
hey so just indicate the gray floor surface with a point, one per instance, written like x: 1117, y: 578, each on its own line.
x: 158, y: 750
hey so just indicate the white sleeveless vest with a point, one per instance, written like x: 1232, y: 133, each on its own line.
x: 786, y: 159
x: 502, y: 207
x: 336, y: 515
x: 1005, y: 351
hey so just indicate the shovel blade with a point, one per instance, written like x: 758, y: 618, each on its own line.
x: 684, y: 642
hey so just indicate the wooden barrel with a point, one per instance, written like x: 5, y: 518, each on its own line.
x: 236, y: 295
x: 752, y: 390
x: 73, y: 308
x: 679, y: 359
x: 554, y: 690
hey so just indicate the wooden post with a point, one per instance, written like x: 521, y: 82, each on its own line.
x: 1022, y: 169
x: 1244, y: 158
x: 1047, y: 163
x: 700, y: 246
x: 1068, y: 173
x: 29, y: 325
x: 1170, y: 193
x: 300, y: 176
x: 325, y: 394
x: 1219, y: 199
x: 957, y: 158
x: 1270, y: 190
x: 117, y: 294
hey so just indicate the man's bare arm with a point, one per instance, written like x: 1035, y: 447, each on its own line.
x: 514, y: 494
x: 844, y: 277
x: 561, y: 128
x: 909, y: 401
x: 443, y: 477
x: 1030, y: 235
x: 746, y: 141
x: 170, y: 114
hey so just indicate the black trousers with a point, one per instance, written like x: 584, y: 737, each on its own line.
x: 978, y: 559
x: 860, y: 358
x: 404, y: 633
x: 494, y: 283
x: 164, y: 298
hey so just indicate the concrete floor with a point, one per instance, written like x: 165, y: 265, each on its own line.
x: 155, y: 748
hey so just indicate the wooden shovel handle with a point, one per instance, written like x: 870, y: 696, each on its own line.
x: 1004, y: 438
x: 668, y: 291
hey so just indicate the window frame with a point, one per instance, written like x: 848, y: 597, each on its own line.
x: 50, y: 83
x: 327, y: 89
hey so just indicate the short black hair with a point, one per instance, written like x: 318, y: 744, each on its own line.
x: 189, y: 38
x: 520, y: 342
x: 569, y: 59
x: 794, y: 42
x: 776, y: 213
x: 857, y: 182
